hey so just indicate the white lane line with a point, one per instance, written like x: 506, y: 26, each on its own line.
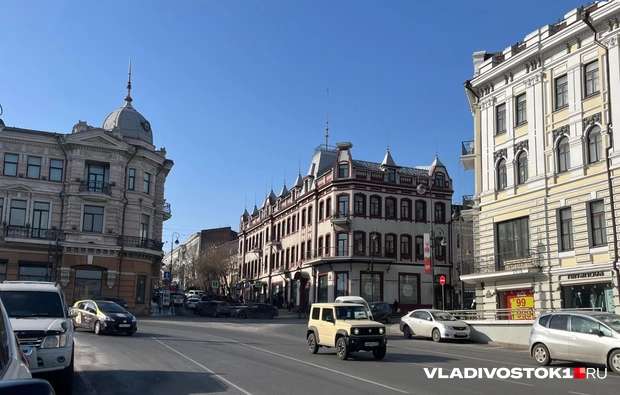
x: 299, y: 361
x: 577, y: 393
x: 204, y: 368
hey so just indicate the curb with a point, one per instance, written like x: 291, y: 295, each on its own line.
x: 509, y: 345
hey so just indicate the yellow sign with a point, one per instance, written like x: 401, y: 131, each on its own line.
x: 522, y: 302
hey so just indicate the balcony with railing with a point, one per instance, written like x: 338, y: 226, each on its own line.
x: 26, y: 232
x: 97, y: 191
x: 140, y: 242
x: 167, y: 211
x: 503, y: 264
x: 468, y: 157
x: 341, y: 218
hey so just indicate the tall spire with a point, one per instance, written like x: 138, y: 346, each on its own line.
x: 327, y: 122
x: 128, y: 99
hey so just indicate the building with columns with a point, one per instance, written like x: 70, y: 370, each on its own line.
x: 86, y: 208
x: 546, y: 171
x: 349, y: 227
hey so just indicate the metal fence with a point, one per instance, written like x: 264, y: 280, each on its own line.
x: 517, y: 314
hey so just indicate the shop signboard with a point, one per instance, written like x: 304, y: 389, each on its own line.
x: 427, y: 253
x: 520, y: 300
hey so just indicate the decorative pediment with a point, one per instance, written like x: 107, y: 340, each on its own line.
x: 592, y: 120
x: 19, y: 188
x: 500, y: 153
x: 97, y: 138
x: 561, y: 131
x: 522, y: 146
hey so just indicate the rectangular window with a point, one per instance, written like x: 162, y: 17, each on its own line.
x: 323, y: 288
x: 56, y: 168
x: 360, y: 205
x: 371, y: 287
x: 343, y: 206
x: 3, y: 265
x: 40, y: 220
x: 405, y: 209
x: 17, y: 216
x: 597, y: 223
x: 1, y: 208
x: 144, y: 226
x: 408, y: 288
x: 420, y: 211
x: 132, y: 179
x: 141, y: 289
x: 328, y: 244
x: 342, y: 244
x: 591, y: 78
x: 521, y: 109
x: 566, y: 229
x: 390, y: 208
x: 375, y: 207
x: 513, y: 240
x: 561, y: 92
x: 343, y: 170
x: 391, y: 175
x: 405, y: 247
x: 87, y: 284
x: 33, y: 271
x: 500, y: 119
x: 146, y: 187
x: 34, y: 167
x: 358, y: 244
x: 389, y: 246
x: 10, y: 164
x: 93, y: 219
x: 342, y: 284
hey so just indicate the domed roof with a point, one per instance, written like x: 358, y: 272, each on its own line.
x: 128, y: 121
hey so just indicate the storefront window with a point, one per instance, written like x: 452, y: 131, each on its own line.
x: 323, y: 288
x: 342, y: 284
x: 522, y: 303
x: 368, y: 285
x: 408, y: 289
x: 589, y: 296
x: 87, y: 284
x: 33, y: 271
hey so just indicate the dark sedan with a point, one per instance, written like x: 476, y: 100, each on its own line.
x: 104, y: 317
x: 258, y: 310
x: 119, y: 301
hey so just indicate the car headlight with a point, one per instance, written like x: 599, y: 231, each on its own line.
x: 54, y: 341
x: 133, y: 319
x: 109, y: 318
x: 381, y: 330
x: 356, y: 331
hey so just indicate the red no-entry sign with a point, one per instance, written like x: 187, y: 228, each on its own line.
x: 442, y: 280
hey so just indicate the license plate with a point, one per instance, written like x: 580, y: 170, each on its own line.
x: 372, y: 344
x: 460, y: 335
x: 123, y: 325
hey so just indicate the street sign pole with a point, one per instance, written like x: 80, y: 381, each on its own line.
x: 442, y: 281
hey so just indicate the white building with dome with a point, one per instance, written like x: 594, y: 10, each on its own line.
x: 86, y: 208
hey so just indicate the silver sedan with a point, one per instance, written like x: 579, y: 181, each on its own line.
x: 436, y: 324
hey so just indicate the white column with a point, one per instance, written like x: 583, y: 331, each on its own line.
x: 614, y: 77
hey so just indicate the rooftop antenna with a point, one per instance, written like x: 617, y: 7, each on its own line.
x: 246, y: 202
x: 128, y: 98
x: 436, y: 147
x: 284, y: 176
x: 388, y: 139
x: 327, y: 122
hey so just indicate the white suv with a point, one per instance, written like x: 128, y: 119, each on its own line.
x: 40, y: 318
x: 13, y: 365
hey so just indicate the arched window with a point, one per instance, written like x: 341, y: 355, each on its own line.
x: 563, y: 155
x: 502, y: 180
x: 390, y: 208
x: 420, y: 210
x: 390, y: 245
x: 375, y: 206
x: 440, y: 212
x: 342, y: 244
x: 360, y: 204
x: 522, y: 167
x: 595, y: 145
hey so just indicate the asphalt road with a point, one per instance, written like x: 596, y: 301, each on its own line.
x: 195, y: 355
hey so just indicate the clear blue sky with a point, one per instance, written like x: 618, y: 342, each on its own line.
x: 236, y: 90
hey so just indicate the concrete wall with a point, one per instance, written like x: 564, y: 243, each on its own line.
x: 509, y: 332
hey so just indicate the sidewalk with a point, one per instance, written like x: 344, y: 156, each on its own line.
x: 165, y: 311
x: 283, y: 313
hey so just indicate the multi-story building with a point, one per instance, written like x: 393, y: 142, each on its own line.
x: 349, y: 227
x: 85, y: 208
x: 462, y: 252
x: 546, y: 171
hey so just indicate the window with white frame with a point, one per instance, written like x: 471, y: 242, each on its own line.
x: 522, y: 167
x: 597, y: 223
x: 17, y: 215
x: 595, y: 145
x: 34, y: 167
x: 502, y: 179
x: 563, y: 155
x: 591, y: 78
x: 521, y: 109
x: 144, y: 226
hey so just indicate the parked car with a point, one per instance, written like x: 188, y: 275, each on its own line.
x: 236, y: 307
x: 177, y: 299
x: 591, y: 337
x: 41, y: 319
x: 213, y: 308
x: 104, y: 317
x: 436, y: 324
x: 258, y: 310
x: 356, y: 300
x: 191, y: 303
x: 14, y: 364
x: 119, y: 301
x: 381, y: 311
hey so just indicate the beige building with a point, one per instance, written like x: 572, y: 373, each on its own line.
x: 349, y: 227
x: 85, y: 208
x: 546, y: 171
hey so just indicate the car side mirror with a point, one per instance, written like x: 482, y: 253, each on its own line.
x: 73, y: 312
x: 597, y: 332
x: 330, y: 319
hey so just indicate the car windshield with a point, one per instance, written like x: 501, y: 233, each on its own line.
x: 111, y: 308
x: 351, y: 313
x: 611, y: 320
x: 443, y: 316
x: 23, y: 304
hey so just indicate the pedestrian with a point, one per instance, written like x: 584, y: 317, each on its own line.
x: 396, y: 308
x: 291, y: 305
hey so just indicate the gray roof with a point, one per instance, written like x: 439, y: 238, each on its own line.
x: 255, y: 211
x: 373, y: 166
x: 284, y: 191
x: 299, y: 182
x: 388, y: 160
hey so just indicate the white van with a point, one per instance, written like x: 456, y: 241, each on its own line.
x: 194, y: 292
x: 356, y: 300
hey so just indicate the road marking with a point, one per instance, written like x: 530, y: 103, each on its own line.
x: 204, y: 368
x: 577, y: 393
x: 296, y: 360
x: 82, y: 374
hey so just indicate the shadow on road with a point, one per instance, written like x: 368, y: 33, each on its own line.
x: 393, y: 357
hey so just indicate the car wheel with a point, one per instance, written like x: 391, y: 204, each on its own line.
x: 214, y: 314
x: 342, y: 349
x: 614, y: 361
x: 312, y: 345
x: 407, y: 332
x: 436, y: 335
x: 269, y: 316
x: 379, y: 353
x: 64, y: 384
x: 97, y: 328
x: 541, y: 355
x: 243, y: 315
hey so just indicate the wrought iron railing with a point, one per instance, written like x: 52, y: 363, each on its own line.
x: 468, y: 201
x: 497, y: 262
x: 95, y: 186
x: 516, y: 314
x: 167, y: 208
x: 140, y: 242
x: 467, y: 148
x: 23, y: 232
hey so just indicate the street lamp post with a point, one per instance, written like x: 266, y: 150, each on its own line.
x: 175, y: 240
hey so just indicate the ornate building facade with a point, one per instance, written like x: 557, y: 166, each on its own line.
x: 545, y: 166
x: 349, y: 227
x: 85, y: 209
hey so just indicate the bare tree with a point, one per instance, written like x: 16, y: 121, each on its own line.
x: 215, y: 264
